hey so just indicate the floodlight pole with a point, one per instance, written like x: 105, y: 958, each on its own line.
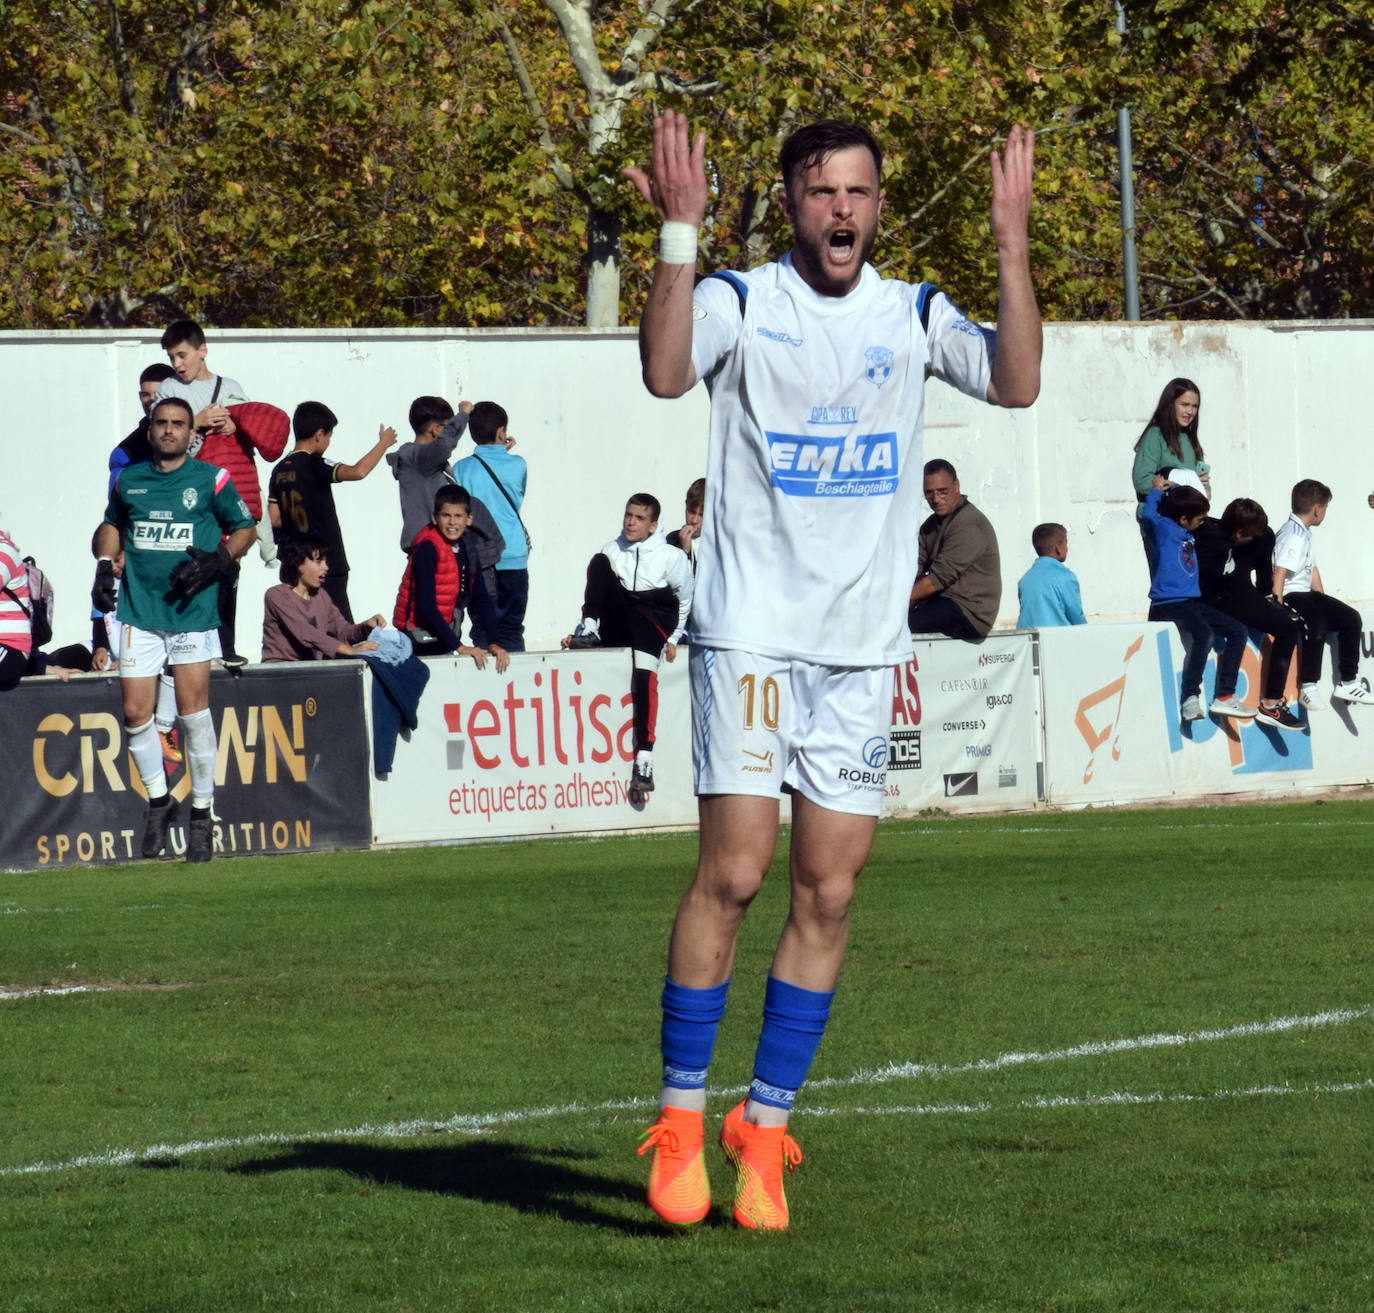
x: 1130, y: 272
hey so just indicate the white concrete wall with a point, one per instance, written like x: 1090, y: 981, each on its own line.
x: 1280, y: 402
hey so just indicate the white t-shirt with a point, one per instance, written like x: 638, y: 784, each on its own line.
x: 814, y: 470
x: 199, y: 391
x: 1293, y: 550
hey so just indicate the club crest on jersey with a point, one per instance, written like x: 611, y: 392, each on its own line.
x: 860, y: 465
x: 189, y: 498
x: 878, y: 362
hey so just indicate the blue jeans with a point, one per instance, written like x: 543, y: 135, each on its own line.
x: 512, y: 596
x: 1200, y: 626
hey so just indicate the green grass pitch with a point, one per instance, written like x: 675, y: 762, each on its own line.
x: 1094, y: 1062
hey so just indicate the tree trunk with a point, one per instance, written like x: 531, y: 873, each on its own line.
x: 603, y: 268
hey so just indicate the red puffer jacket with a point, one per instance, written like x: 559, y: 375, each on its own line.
x: 260, y: 425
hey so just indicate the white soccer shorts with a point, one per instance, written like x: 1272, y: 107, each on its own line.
x: 761, y: 724
x: 146, y: 652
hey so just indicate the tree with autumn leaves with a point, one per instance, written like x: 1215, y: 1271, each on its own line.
x: 375, y: 162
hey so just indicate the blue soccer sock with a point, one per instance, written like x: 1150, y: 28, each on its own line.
x: 691, y: 1018
x: 793, y: 1023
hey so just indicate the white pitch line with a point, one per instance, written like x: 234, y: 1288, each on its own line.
x: 482, y: 1123
x: 49, y: 991
x: 1117, y: 1098
x: 1097, y: 1048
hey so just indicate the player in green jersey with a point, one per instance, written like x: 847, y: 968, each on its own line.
x: 171, y: 516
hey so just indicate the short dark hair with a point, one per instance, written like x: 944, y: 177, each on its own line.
x: 294, y: 552
x: 816, y: 142
x: 452, y: 494
x: 174, y: 401
x: 648, y: 500
x: 1244, y: 518
x: 310, y: 418
x: 1045, y: 537
x: 696, y: 495
x: 939, y: 466
x: 485, y: 421
x: 182, y: 330
x: 158, y: 373
x: 1308, y: 493
x: 425, y: 411
x: 1182, y: 503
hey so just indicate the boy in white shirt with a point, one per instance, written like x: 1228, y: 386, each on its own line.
x: 1298, y: 584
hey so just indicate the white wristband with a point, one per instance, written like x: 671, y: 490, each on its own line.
x: 677, y: 243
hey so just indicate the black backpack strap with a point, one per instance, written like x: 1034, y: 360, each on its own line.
x: 925, y: 294
x: 736, y: 282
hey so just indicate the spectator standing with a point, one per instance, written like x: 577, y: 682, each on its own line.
x: 300, y: 621
x: 1298, y: 583
x: 687, y: 537
x: 1175, y: 595
x: 302, y: 491
x: 958, y: 585
x: 16, y: 628
x: 421, y: 468
x: 1169, y: 441
x: 497, y: 476
x: 230, y: 432
x: 638, y: 595
x: 442, y: 580
x: 1048, y: 591
x: 171, y: 518
x: 135, y: 447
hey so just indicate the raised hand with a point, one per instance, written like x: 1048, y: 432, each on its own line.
x: 677, y: 187
x: 1012, y: 173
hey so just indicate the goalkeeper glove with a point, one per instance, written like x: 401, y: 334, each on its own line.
x: 200, y: 570
x: 103, y: 595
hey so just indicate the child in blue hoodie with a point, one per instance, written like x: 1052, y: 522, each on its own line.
x: 1168, y: 519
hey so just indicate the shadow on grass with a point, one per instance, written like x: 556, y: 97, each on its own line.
x: 545, y: 1182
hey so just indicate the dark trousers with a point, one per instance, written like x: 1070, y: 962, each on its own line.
x: 1252, y: 608
x: 641, y: 621
x: 510, y: 599
x: 938, y: 615
x: 228, y: 611
x: 1200, y: 626
x: 336, y: 585
x: 1320, y: 615
x: 13, y: 666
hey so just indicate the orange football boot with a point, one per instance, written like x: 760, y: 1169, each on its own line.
x: 678, y: 1189
x: 759, y: 1154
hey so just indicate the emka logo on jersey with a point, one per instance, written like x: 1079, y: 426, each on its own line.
x: 151, y: 537
x: 860, y: 465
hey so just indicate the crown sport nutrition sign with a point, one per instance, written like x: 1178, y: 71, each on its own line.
x: 291, y: 773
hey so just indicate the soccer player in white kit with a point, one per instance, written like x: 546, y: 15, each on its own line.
x: 816, y: 368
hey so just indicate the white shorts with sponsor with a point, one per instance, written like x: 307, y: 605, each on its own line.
x: 761, y: 724
x: 144, y: 652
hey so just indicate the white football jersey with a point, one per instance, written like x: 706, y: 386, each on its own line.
x: 814, y: 469
x: 1293, y: 550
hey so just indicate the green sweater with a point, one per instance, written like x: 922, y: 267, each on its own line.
x: 1153, y: 456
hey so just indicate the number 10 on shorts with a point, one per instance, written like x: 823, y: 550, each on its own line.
x: 759, y: 702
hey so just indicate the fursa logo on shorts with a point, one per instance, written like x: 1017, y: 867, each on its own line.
x: 162, y: 537
x: 860, y: 465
